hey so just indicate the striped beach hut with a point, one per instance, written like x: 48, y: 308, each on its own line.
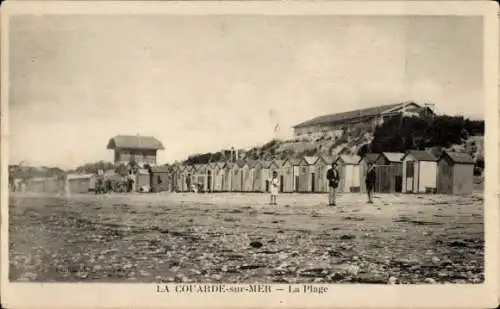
x: 178, y: 176
x: 217, y: 169
x: 263, y: 175
x: 419, y: 172
x: 349, y: 173
x: 189, y: 177
x: 249, y: 175
x: 238, y: 175
x: 200, y: 177
x: 227, y: 183
x: 321, y: 167
x: 290, y: 172
x: 307, y: 174
x: 278, y: 167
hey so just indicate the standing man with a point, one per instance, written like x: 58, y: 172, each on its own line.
x: 370, y: 179
x: 333, y: 177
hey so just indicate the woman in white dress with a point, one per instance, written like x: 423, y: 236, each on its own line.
x: 275, y: 184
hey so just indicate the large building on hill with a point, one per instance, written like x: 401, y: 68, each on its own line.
x: 369, y: 117
x: 141, y: 149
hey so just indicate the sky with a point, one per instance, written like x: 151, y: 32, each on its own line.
x: 204, y: 83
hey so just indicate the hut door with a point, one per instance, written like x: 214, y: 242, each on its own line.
x: 313, y: 177
x: 410, y: 175
x: 267, y: 185
x: 399, y: 184
x: 296, y: 183
x: 281, y: 183
x: 209, y: 181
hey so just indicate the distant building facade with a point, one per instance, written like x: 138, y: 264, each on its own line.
x: 370, y: 117
x: 140, y: 149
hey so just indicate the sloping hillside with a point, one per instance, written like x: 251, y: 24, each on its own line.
x: 396, y: 135
x: 400, y: 134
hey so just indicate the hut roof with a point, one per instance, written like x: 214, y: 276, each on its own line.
x: 370, y: 157
x: 279, y: 163
x: 76, y: 176
x: 310, y: 160
x: 265, y: 163
x: 459, y: 157
x: 220, y: 164
x: 160, y: 169
x: 134, y: 142
x: 240, y: 163
x: 393, y: 156
x: 421, y: 155
x: 349, y: 159
x: 252, y: 163
x: 200, y: 167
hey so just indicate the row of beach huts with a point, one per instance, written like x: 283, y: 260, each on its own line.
x: 415, y: 171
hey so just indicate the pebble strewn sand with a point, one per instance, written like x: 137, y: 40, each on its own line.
x: 174, y: 237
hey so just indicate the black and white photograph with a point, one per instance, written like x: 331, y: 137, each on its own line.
x: 264, y: 153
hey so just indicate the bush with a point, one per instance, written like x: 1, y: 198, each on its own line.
x: 400, y: 134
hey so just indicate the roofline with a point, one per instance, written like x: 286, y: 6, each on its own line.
x: 408, y: 152
x: 303, y: 124
x: 445, y: 153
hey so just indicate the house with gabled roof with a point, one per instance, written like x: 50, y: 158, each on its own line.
x: 455, y: 173
x: 135, y: 148
x: 371, y: 116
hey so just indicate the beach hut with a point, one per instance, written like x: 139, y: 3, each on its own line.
x: 249, y: 175
x: 78, y: 183
x: 321, y: 167
x: 227, y: 184
x: 455, y: 173
x: 419, y: 172
x: 349, y: 171
x: 259, y: 177
x: 161, y: 179
x: 200, y: 177
x: 389, y: 169
x: 290, y: 172
x: 177, y: 177
x: 277, y: 166
x: 211, y: 168
x: 218, y: 174
x: 188, y: 176
x: 238, y: 175
x: 363, y: 167
x: 307, y: 174
x: 142, y: 180
x: 263, y: 175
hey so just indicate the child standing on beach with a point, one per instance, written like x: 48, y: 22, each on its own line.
x: 275, y: 184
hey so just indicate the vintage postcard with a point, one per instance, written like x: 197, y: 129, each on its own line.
x: 249, y: 154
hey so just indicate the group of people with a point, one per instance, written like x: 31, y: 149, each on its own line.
x: 333, y: 177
